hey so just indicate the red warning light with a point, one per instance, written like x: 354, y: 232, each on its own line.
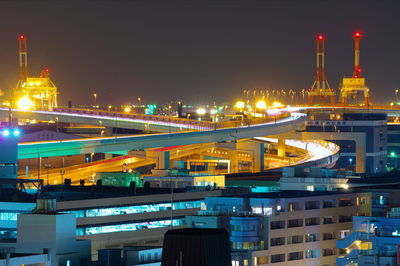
x: 21, y: 36
x: 357, y: 34
x: 47, y: 70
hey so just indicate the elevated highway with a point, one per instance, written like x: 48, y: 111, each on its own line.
x: 111, y: 119
x: 121, y: 145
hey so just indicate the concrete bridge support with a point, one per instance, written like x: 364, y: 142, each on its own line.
x: 256, y: 149
x: 359, y: 138
x: 161, y: 158
x: 281, y: 148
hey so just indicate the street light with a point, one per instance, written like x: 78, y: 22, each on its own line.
x: 127, y: 109
x: 261, y: 104
x: 240, y: 105
x: 95, y: 99
x: 25, y: 103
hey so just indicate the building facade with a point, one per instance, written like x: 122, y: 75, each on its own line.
x: 283, y: 228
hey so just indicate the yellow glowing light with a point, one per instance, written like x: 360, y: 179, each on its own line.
x: 38, y: 83
x: 261, y: 104
x: 24, y: 103
x: 345, y: 186
x: 240, y: 105
x: 31, y: 83
x: 127, y: 109
x: 213, y: 111
x: 201, y: 111
x: 276, y: 104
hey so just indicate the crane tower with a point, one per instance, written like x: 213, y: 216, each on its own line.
x: 33, y: 93
x: 320, y: 89
x: 351, y: 86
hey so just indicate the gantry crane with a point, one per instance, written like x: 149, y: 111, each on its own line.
x: 351, y: 86
x: 33, y: 93
x: 320, y: 89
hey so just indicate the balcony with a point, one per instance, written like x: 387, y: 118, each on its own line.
x: 295, y: 223
x: 345, y: 203
x: 328, y: 204
x: 345, y: 219
x: 354, y: 236
x: 312, y: 221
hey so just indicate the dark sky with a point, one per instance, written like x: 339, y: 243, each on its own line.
x: 197, y: 51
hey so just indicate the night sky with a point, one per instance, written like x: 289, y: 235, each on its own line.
x: 197, y: 51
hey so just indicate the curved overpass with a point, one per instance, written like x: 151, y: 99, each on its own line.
x: 124, y: 144
x: 112, y: 119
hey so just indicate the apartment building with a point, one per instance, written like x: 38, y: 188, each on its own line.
x: 284, y: 228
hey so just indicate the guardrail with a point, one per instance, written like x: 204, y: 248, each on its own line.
x: 174, y: 121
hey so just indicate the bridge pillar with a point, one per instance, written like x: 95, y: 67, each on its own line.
x: 161, y: 158
x: 234, y: 161
x: 281, y: 148
x: 257, y: 151
x: 108, y: 155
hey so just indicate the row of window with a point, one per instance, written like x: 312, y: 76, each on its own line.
x: 245, y: 245
x: 129, y: 227
x: 299, y: 255
x: 136, y: 209
x: 309, y: 221
x: 312, y: 205
x: 280, y: 241
x: 10, y: 215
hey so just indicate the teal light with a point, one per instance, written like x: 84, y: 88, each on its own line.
x: 392, y: 154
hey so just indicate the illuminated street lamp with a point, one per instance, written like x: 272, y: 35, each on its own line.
x: 127, y: 109
x: 240, y: 105
x: 24, y: 103
x: 95, y: 99
x: 109, y: 108
x: 397, y: 95
x: 261, y: 104
x: 200, y: 112
x: 276, y: 104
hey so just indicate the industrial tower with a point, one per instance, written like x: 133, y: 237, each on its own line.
x: 33, y: 93
x: 351, y: 86
x: 320, y: 89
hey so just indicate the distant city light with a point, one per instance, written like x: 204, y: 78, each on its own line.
x: 16, y: 132
x: 201, y: 111
x: 127, y: 109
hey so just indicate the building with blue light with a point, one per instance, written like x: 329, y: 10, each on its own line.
x: 372, y: 126
x: 283, y: 228
x: 372, y: 241
x: 117, y: 217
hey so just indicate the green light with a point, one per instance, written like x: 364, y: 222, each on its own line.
x: 392, y: 154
